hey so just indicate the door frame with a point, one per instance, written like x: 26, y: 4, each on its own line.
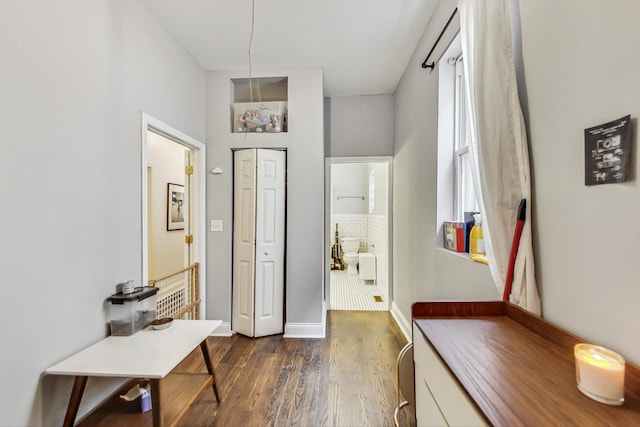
x: 327, y: 219
x: 197, y: 204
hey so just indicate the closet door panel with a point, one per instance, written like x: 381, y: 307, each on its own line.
x: 270, y: 242
x: 244, y: 232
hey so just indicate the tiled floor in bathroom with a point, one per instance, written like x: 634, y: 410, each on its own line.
x: 348, y: 292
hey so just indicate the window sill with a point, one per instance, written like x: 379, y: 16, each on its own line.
x: 463, y: 255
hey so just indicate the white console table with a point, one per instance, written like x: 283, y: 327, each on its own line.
x: 149, y: 353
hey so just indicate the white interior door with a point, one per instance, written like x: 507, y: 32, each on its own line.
x: 270, y: 245
x: 244, y: 231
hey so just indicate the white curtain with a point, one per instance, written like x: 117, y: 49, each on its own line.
x: 498, y: 143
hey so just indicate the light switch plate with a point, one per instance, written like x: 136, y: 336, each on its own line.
x: 216, y: 225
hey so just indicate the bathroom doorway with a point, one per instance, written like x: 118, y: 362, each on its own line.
x: 358, y: 267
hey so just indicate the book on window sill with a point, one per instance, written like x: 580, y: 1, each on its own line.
x: 455, y: 236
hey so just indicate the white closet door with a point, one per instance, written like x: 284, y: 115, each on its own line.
x: 270, y: 244
x: 244, y: 231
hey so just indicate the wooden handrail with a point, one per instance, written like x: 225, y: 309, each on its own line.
x: 186, y: 308
x: 191, y: 267
x: 196, y: 290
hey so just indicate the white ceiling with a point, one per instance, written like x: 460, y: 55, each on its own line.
x: 363, y: 46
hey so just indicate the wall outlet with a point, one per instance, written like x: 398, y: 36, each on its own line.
x: 216, y: 225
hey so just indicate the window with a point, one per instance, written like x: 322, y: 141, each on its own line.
x: 456, y: 194
x: 372, y: 191
x: 464, y: 197
x: 455, y: 183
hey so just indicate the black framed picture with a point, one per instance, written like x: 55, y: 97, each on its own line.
x: 606, y: 152
x: 175, y: 207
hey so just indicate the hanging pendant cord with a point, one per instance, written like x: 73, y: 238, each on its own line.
x: 250, y: 55
x: 253, y: 17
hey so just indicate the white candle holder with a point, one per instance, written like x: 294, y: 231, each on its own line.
x: 600, y: 373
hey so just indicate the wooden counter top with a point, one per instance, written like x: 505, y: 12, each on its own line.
x: 517, y: 368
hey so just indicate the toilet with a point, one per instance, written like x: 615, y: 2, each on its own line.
x: 350, y: 247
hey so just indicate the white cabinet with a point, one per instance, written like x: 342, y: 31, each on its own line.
x: 440, y: 401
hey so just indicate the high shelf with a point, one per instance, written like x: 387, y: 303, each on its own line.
x: 259, y: 104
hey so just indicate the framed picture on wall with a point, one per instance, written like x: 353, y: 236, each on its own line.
x: 607, y: 152
x: 175, y: 207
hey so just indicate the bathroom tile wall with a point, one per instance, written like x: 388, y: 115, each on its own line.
x: 371, y: 229
x: 351, y: 225
x: 377, y: 234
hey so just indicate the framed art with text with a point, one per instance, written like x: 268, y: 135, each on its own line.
x: 606, y: 152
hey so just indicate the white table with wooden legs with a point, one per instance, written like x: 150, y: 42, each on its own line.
x: 149, y: 353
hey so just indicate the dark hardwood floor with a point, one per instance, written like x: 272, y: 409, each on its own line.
x: 347, y: 379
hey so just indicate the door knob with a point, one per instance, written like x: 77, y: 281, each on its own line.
x: 266, y: 253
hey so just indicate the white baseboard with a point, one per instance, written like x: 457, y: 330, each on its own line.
x: 304, y: 330
x: 307, y: 330
x: 291, y: 330
x: 324, y: 316
x: 403, y: 323
x: 224, y: 330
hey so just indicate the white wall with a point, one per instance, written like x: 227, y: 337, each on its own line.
x: 166, y: 248
x: 360, y: 126
x: 305, y: 191
x: 349, y: 188
x: 75, y: 77
x: 420, y: 271
x: 580, y: 62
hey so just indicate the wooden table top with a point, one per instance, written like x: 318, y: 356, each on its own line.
x: 517, y: 368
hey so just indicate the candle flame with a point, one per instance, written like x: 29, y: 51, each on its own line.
x: 599, y: 357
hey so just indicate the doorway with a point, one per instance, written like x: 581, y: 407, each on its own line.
x: 358, y: 199
x: 168, y: 212
x: 173, y: 217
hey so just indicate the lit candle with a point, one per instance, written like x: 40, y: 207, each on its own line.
x: 600, y: 373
